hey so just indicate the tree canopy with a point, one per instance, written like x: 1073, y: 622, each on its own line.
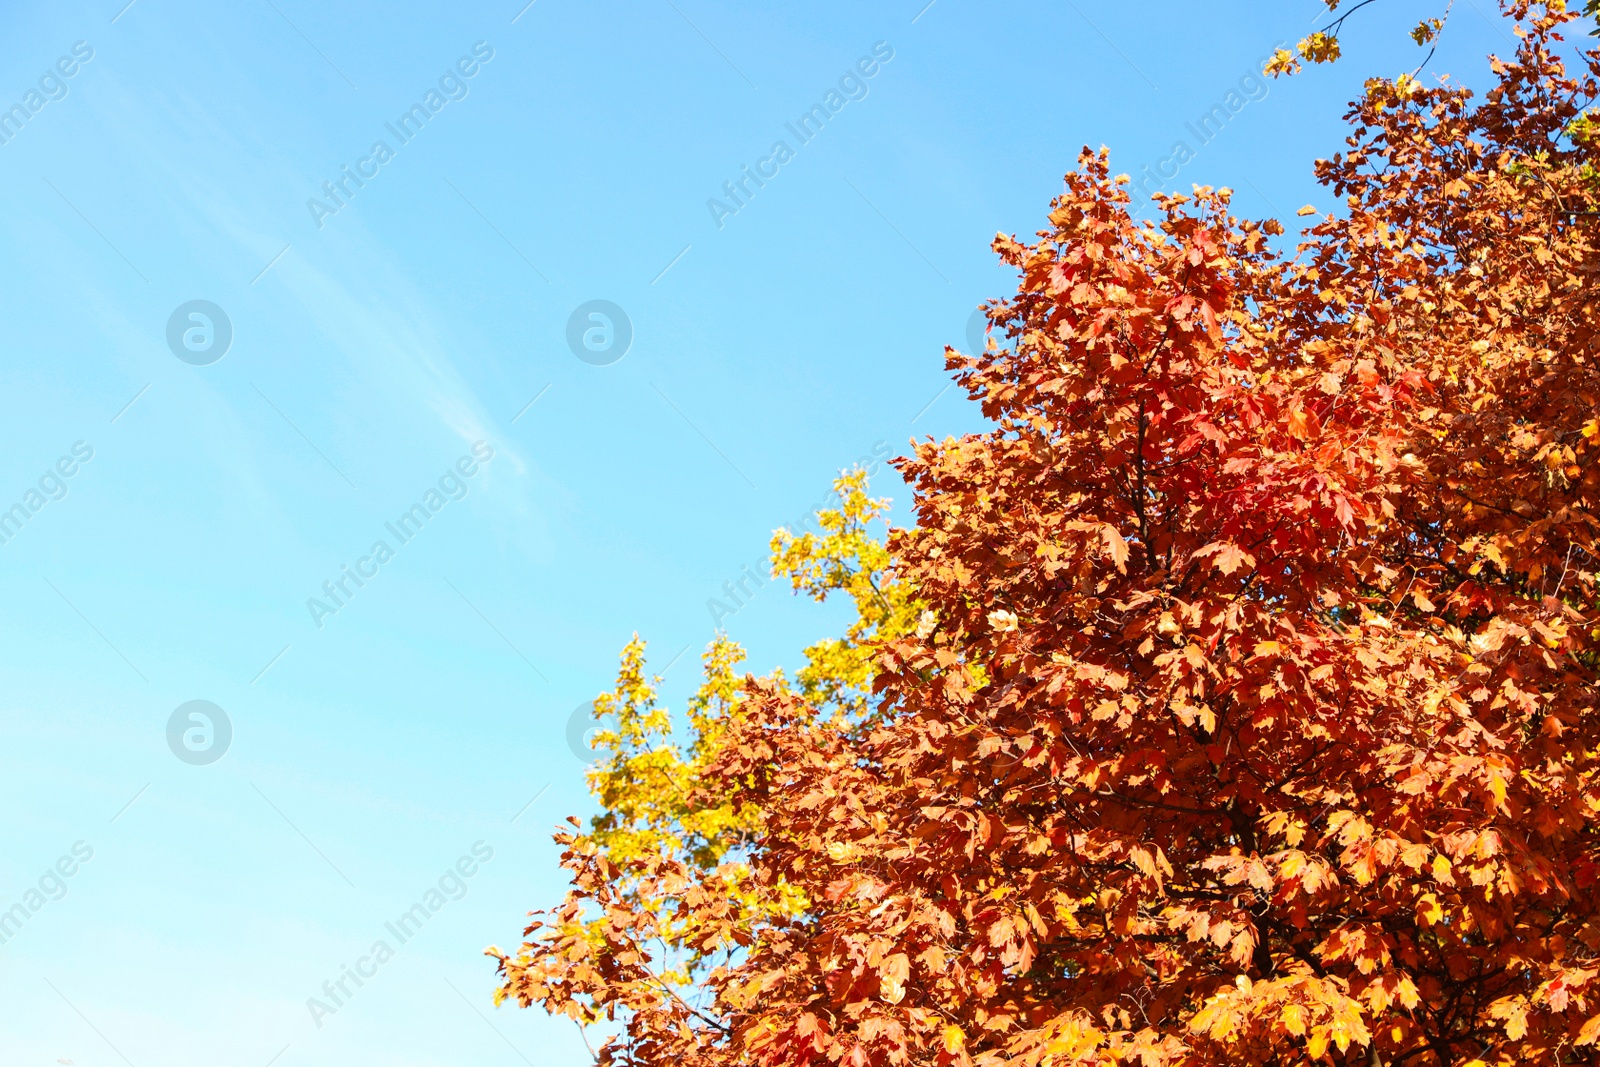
x: 1231, y: 699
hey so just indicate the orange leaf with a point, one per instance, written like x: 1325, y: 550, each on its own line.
x: 1116, y: 546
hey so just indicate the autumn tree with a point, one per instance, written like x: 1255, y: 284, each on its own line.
x: 1239, y: 701
x: 661, y: 804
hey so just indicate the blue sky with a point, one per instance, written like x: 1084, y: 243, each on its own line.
x: 381, y: 350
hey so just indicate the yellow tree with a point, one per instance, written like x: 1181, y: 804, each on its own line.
x: 657, y: 799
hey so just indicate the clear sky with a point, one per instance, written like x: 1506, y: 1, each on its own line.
x: 180, y: 496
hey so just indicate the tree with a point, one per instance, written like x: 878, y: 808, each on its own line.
x: 1323, y: 46
x: 663, y: 808
x: 1245, y: 710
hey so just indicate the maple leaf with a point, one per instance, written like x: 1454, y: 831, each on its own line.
x: 1116, y: 546
x: 1227, y: 557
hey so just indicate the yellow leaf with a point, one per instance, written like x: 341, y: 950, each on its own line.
x: 1317, y: 1046
x: 1497, y: 786
x: 954, y: 1038
x: 1292, y: 865
x: 1517, y: 1024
